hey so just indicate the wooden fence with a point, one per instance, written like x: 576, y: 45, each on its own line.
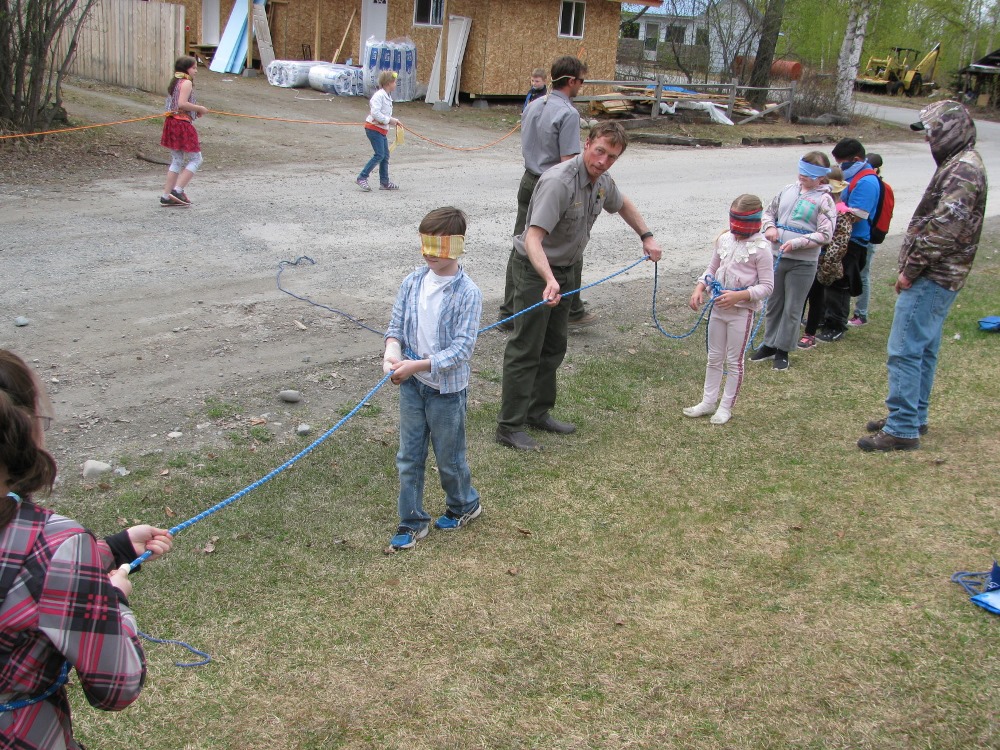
x: 130, y: 43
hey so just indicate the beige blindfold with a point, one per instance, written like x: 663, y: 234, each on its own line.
x: 451, y: 246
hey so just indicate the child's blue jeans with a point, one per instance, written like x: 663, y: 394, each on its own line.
x: 380, y: 144
x: 426, y: 414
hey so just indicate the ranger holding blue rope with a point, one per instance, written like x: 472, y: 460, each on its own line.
x: 566, y: 203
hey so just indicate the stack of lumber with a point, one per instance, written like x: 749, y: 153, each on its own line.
x: 629, y: 96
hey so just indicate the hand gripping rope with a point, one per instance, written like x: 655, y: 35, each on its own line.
x: 715, y: 288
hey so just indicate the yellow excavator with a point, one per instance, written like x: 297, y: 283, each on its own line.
x: 900, y: 71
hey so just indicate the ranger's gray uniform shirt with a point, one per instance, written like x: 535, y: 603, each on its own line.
x: 550, y: 129
x: 566, y: 206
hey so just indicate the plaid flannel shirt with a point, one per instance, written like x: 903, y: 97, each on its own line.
x: 59, y: 605
x: 457, y: 327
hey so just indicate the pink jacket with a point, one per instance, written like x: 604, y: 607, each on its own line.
x: 743, y: 264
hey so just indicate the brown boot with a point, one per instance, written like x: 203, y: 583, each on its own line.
x: 883, y: 441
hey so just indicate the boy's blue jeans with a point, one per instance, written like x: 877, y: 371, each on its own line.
x: 427, y: 414
x: 913, y: 346
x: 380, y: 144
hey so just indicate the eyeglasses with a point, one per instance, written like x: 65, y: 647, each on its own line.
x: 44, y: 421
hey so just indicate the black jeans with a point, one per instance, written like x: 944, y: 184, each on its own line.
x: 839, y: 293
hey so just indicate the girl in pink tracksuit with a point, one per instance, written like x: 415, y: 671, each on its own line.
x: 739, y: 276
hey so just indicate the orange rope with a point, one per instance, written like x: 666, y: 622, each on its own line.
x: 469, y: 148
x: 282, y: 119
x: 81, y: 127
x: 262, y: 117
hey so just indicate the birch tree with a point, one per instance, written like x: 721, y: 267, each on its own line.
x: 850, y: 55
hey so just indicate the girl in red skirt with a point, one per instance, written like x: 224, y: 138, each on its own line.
x: 179, y: 134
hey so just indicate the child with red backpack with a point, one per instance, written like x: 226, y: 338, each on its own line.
x: 861, y: 197
x: 883, y: 215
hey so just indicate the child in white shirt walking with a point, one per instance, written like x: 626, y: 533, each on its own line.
x: 377, y: 126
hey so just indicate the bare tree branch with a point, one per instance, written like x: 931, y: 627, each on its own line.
x: 32, y: 63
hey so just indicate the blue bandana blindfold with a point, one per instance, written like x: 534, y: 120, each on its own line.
x: 812, y: 171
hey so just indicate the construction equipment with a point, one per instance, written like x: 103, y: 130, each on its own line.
x: 900, y: 71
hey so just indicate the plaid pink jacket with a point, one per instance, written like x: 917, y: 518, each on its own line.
x: 59, y: 605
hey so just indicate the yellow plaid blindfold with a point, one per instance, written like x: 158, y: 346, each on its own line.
x: 450, y: 246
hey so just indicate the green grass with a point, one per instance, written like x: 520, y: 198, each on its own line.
x: 650, y: 582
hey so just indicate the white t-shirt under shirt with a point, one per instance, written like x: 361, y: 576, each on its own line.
x: 429, y: 304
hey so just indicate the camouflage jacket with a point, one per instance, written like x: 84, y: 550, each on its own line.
x: 941, y: 240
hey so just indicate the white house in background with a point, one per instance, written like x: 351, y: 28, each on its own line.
x: 729, y: 28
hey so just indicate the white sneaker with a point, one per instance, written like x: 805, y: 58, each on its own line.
x: 721, y: 416
x: 699, y: 410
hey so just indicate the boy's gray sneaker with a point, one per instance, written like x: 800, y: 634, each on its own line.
x: 450, y: 521
x: 407, y: 538
x: 363, y: 184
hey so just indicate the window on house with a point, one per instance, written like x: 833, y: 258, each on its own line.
x: 630, y: 30
x: 676, y: 34
x: 701, y: 37
x: 428, y: 12
x: 571, y: 17
x: 652, y: 37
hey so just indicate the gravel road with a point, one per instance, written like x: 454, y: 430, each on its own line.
x: 140, y: 314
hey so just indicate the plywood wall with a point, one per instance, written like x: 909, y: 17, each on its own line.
x: 508, y: 37
x: 511, y: 37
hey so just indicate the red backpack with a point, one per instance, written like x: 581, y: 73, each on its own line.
x: 879, y: 220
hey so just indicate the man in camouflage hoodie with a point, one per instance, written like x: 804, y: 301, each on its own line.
x: 934, y: 261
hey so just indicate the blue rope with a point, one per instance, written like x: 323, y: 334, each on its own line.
x: 267, y: 477
x: 281, y: 267
x: 322, y: 438
x: 60, y: 681
x: 793, y: 229
x: 310, y: 448
x: 283, y: 264
x: 715, y: 288
x: 973, y: 583
x: 568, y: 294
x: 188, y: 646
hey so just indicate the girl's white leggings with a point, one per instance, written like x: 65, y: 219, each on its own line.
x: 177, y: 161
x: 728, y: 336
